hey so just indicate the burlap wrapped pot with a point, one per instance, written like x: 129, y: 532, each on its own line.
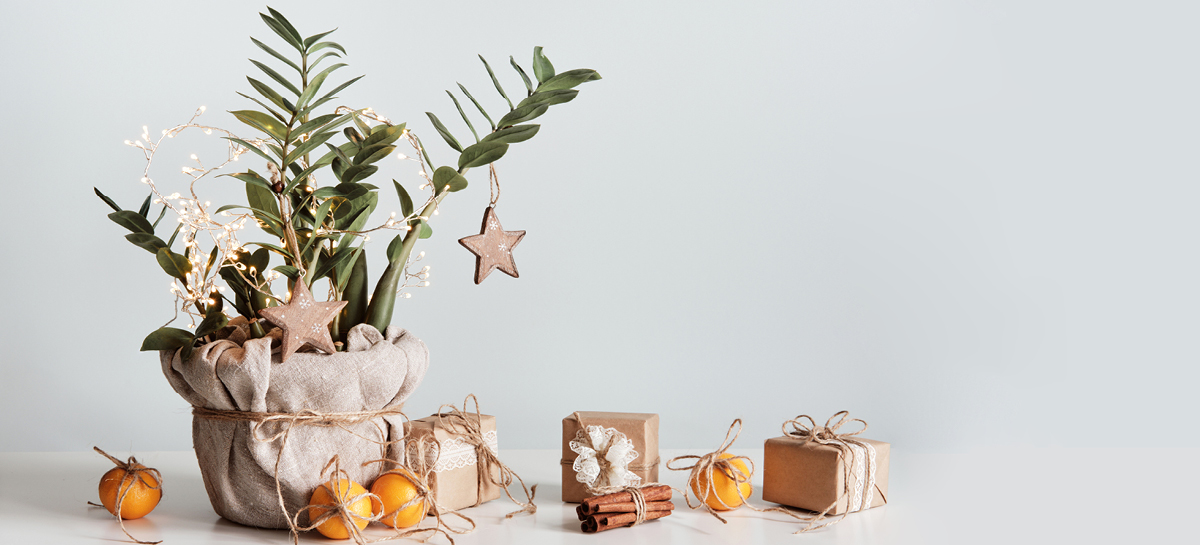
x: 238, y: 458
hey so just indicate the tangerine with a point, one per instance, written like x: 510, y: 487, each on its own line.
x: 394, y: 490
x: 723, y: 495
x: 140, y: 488
x: 323, y: 499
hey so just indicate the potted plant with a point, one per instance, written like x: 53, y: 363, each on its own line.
x: 290, y: 380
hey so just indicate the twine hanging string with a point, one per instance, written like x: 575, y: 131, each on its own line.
x: 419, y: 471
x: 459, y: 422
x: 493, y: 186
x: 132, y: 473
x: 639, y: 498
x: 289, y: 421
x: 844, y: 442
x: 709, y: 464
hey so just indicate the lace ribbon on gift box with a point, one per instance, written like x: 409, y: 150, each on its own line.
x: 456, y: 452
x: 604, y: 458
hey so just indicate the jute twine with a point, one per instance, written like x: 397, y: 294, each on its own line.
x: 639, y: 499
x: 711, y: 463
x: 340, y: 508
x: 457, y: 422
x: 828, y: 435
x: 289, y: 421
x: 132, y: 473
x: 418, y: 472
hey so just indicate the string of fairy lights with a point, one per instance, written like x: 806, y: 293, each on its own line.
x: 197, y: 220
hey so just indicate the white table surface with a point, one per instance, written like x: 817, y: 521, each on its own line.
x: 1039, y: 495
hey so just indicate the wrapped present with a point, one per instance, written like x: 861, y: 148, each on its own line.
x: 458, y: 478
x: 603, y: 450
x: 821, y: 469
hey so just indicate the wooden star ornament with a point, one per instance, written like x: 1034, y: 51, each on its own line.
x: 303, y: 321
x: 493, y: 247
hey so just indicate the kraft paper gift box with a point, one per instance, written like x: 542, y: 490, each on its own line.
x: 640, y: 428
x: 454, y: 481
x: 812, y: 476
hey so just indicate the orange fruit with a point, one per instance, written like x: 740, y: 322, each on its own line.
x: 140, y: 488
x: 343, y: 490
x: 395, y: 490
x: 722, y: 486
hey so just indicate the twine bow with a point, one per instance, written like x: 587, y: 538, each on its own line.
x: 418, y: 472
x: 459, y: 423
x: 340, y: 508
x: 844, y: 442
x: 706, y: 465
x: 133, y: 472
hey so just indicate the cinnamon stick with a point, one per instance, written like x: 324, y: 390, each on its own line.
x: 624, y: 508
x: 651, y: 493
x: 608, y: 521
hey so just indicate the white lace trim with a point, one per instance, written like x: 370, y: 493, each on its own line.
x: 458, y: 453
x: 605, y: 444
x: 864, y: 476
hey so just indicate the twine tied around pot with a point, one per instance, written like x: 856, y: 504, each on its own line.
x: 132, y: 473
x: 289, y: 421
x: 458, y: 422
x: 844, y: 442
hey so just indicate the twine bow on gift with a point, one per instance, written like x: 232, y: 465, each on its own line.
x: 848, y: 448
x: 470, y: 430
x: 603, y: 461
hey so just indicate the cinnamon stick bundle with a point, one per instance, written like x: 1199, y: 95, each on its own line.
x: 624, y: 508
x: 590, y: 506
x: 608, y: 521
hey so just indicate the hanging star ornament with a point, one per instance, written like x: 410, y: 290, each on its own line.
x: 303, y: 321
x: 493, y: 247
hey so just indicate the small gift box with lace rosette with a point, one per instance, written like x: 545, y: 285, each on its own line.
x: 826, y: 468
x: 456, y: 480
x: 607, y: 450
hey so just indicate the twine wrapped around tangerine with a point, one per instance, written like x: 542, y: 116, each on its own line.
x: 458, y: 422
x: 844, y: 442
x: 418, y: 472
x: 340, y: 508
x: 133, y: 472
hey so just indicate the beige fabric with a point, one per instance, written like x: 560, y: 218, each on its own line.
x: 236, y: 374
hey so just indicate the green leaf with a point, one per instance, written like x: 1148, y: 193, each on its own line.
x: 282, y: 20
x: 264, y: 247
x: 355, y: 173
x: 275, y: 54
x: 249, y: 177
x: 262, y: 122
x: 283, y: 31
x: 327, y: 54
x: 264, y: 199
x: 252, y: 148
x: 384, y: 134
x: 542, y: 68
x: 568, y: 79
x: 262, y: 214
x: 374, y: 153
x: 550, y: 98
x: 167, y: 338
x: 513, y: 134
x: 276, y: 76
x: 442, y: 130
x: 464, y: 115
x: 112, y: 204
x: 326, y: 122
x: 307, y: 146
x: 309, y: 41
x: 327, y: 265
x: 328, y: 96
x: 426, y: 230
x: 212, y: 258
x: 394, y: 247
x: 496, y: 82
x: 314, y: 85
x: 270, y: 110
x: 288, y: 271
x: 212, y: 322
x: 174, y: 233
x: 161, y: 213
x: 322, y: 213
x: 145, y: 209
x: 174, y: 264
x: 132, y: 220
x: 406, y: 203
x: 448, y: 179
x: 146, y: 241
x: 524, y: 77
x: 481, y: 110
x: 481, y: 154
x: 523, y: 114
x: 324, y: 45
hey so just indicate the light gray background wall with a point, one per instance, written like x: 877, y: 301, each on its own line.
x: 971, y: 224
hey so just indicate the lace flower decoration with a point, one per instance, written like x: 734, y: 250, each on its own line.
x: 604, y: 457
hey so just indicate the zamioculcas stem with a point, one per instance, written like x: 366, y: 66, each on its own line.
x: 379, y: 312
x: 355, y: 311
